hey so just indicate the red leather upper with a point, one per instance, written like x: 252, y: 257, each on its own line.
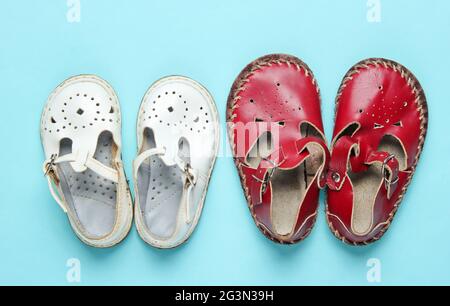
x: 276, y: 94
x: 377, y: 98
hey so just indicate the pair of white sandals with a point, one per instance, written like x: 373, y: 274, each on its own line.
x: 178, y: 141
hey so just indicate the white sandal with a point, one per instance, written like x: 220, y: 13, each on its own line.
x: 178, y: 141
x: 81, y: 136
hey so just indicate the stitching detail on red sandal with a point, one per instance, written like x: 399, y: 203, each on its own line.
x: 421, y: 105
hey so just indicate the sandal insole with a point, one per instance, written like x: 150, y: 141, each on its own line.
x: 366, y: 186
x: 92, y: 198
x: 365, y: 189
x: 288, y: 191
x: 289, y: 186
x: 160, y: 191
x: 164, y: 193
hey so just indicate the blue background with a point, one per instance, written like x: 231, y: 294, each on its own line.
x: 133, y: 43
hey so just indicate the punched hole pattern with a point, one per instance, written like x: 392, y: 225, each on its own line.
x: 58, y: 116
x: 277, y: 107
x: 89, y: 184
x: 182, y: 112
x: 162, y: 180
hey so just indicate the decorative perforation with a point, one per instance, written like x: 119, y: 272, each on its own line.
x: 165, y: 183
x: 267, y: 61
x: 59, y: 116
x: 178, y: 112
x: 422, y: 109
x: 232, y: 104
x: 89, y: 184
x: 273, y: 108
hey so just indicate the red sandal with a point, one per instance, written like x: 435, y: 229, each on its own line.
x: 381, y: 124
x: 276, y: 133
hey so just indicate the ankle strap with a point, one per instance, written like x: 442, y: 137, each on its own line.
x: 53, y: 181
x: 364, y: 156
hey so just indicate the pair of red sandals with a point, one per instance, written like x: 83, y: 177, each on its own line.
x: 276, y: 133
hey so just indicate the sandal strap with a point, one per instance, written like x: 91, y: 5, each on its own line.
x: 260, y: 186
x: 141, y: 158
x: 390, y: 170
x: 363, y: 157
x: 302, y: 146
x: 264, y: 173
x: 268, y: 166
x: 56, y: 193
x: 87, y: 161
x: 190, y: 180
x: 340, y: 157
x: 49, y: 170
x: 190, y: 176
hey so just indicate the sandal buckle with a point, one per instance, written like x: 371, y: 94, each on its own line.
x: 189, y: 176
x: 49, y: 168
x: 270, y: 174
x: 388, y: 182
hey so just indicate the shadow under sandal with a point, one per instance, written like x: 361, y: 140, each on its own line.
x: 380, y: 129
x: 276, y: 133
x: 81, y: 136
x: 178, y: 139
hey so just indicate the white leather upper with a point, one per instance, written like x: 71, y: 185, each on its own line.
x: 80, y: 109
x: 181, y: 114
x: 81, y: 137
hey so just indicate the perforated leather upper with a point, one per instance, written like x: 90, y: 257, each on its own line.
x: 378, y: 101
x: 80, y: 131
x: 182, y: 118
x: 80, y: 110
x: 277, y: 94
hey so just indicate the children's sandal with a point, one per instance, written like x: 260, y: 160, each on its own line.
x: 276, y: 133
x: 381, y: 124
x: 81, y: 137
x: 178, y: 141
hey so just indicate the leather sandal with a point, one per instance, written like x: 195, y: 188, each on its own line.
x: 380, y: 130
x: 276, y: 134
x: 81, y: 137
x: 178, y: 141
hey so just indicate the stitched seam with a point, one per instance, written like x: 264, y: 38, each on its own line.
x: 234, y: 98
x: 420, y: 101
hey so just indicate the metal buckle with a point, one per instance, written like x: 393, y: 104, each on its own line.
x: 387, y: 181
x: 50, y: 164
x: 271, y: 172
x: 189, y: 176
